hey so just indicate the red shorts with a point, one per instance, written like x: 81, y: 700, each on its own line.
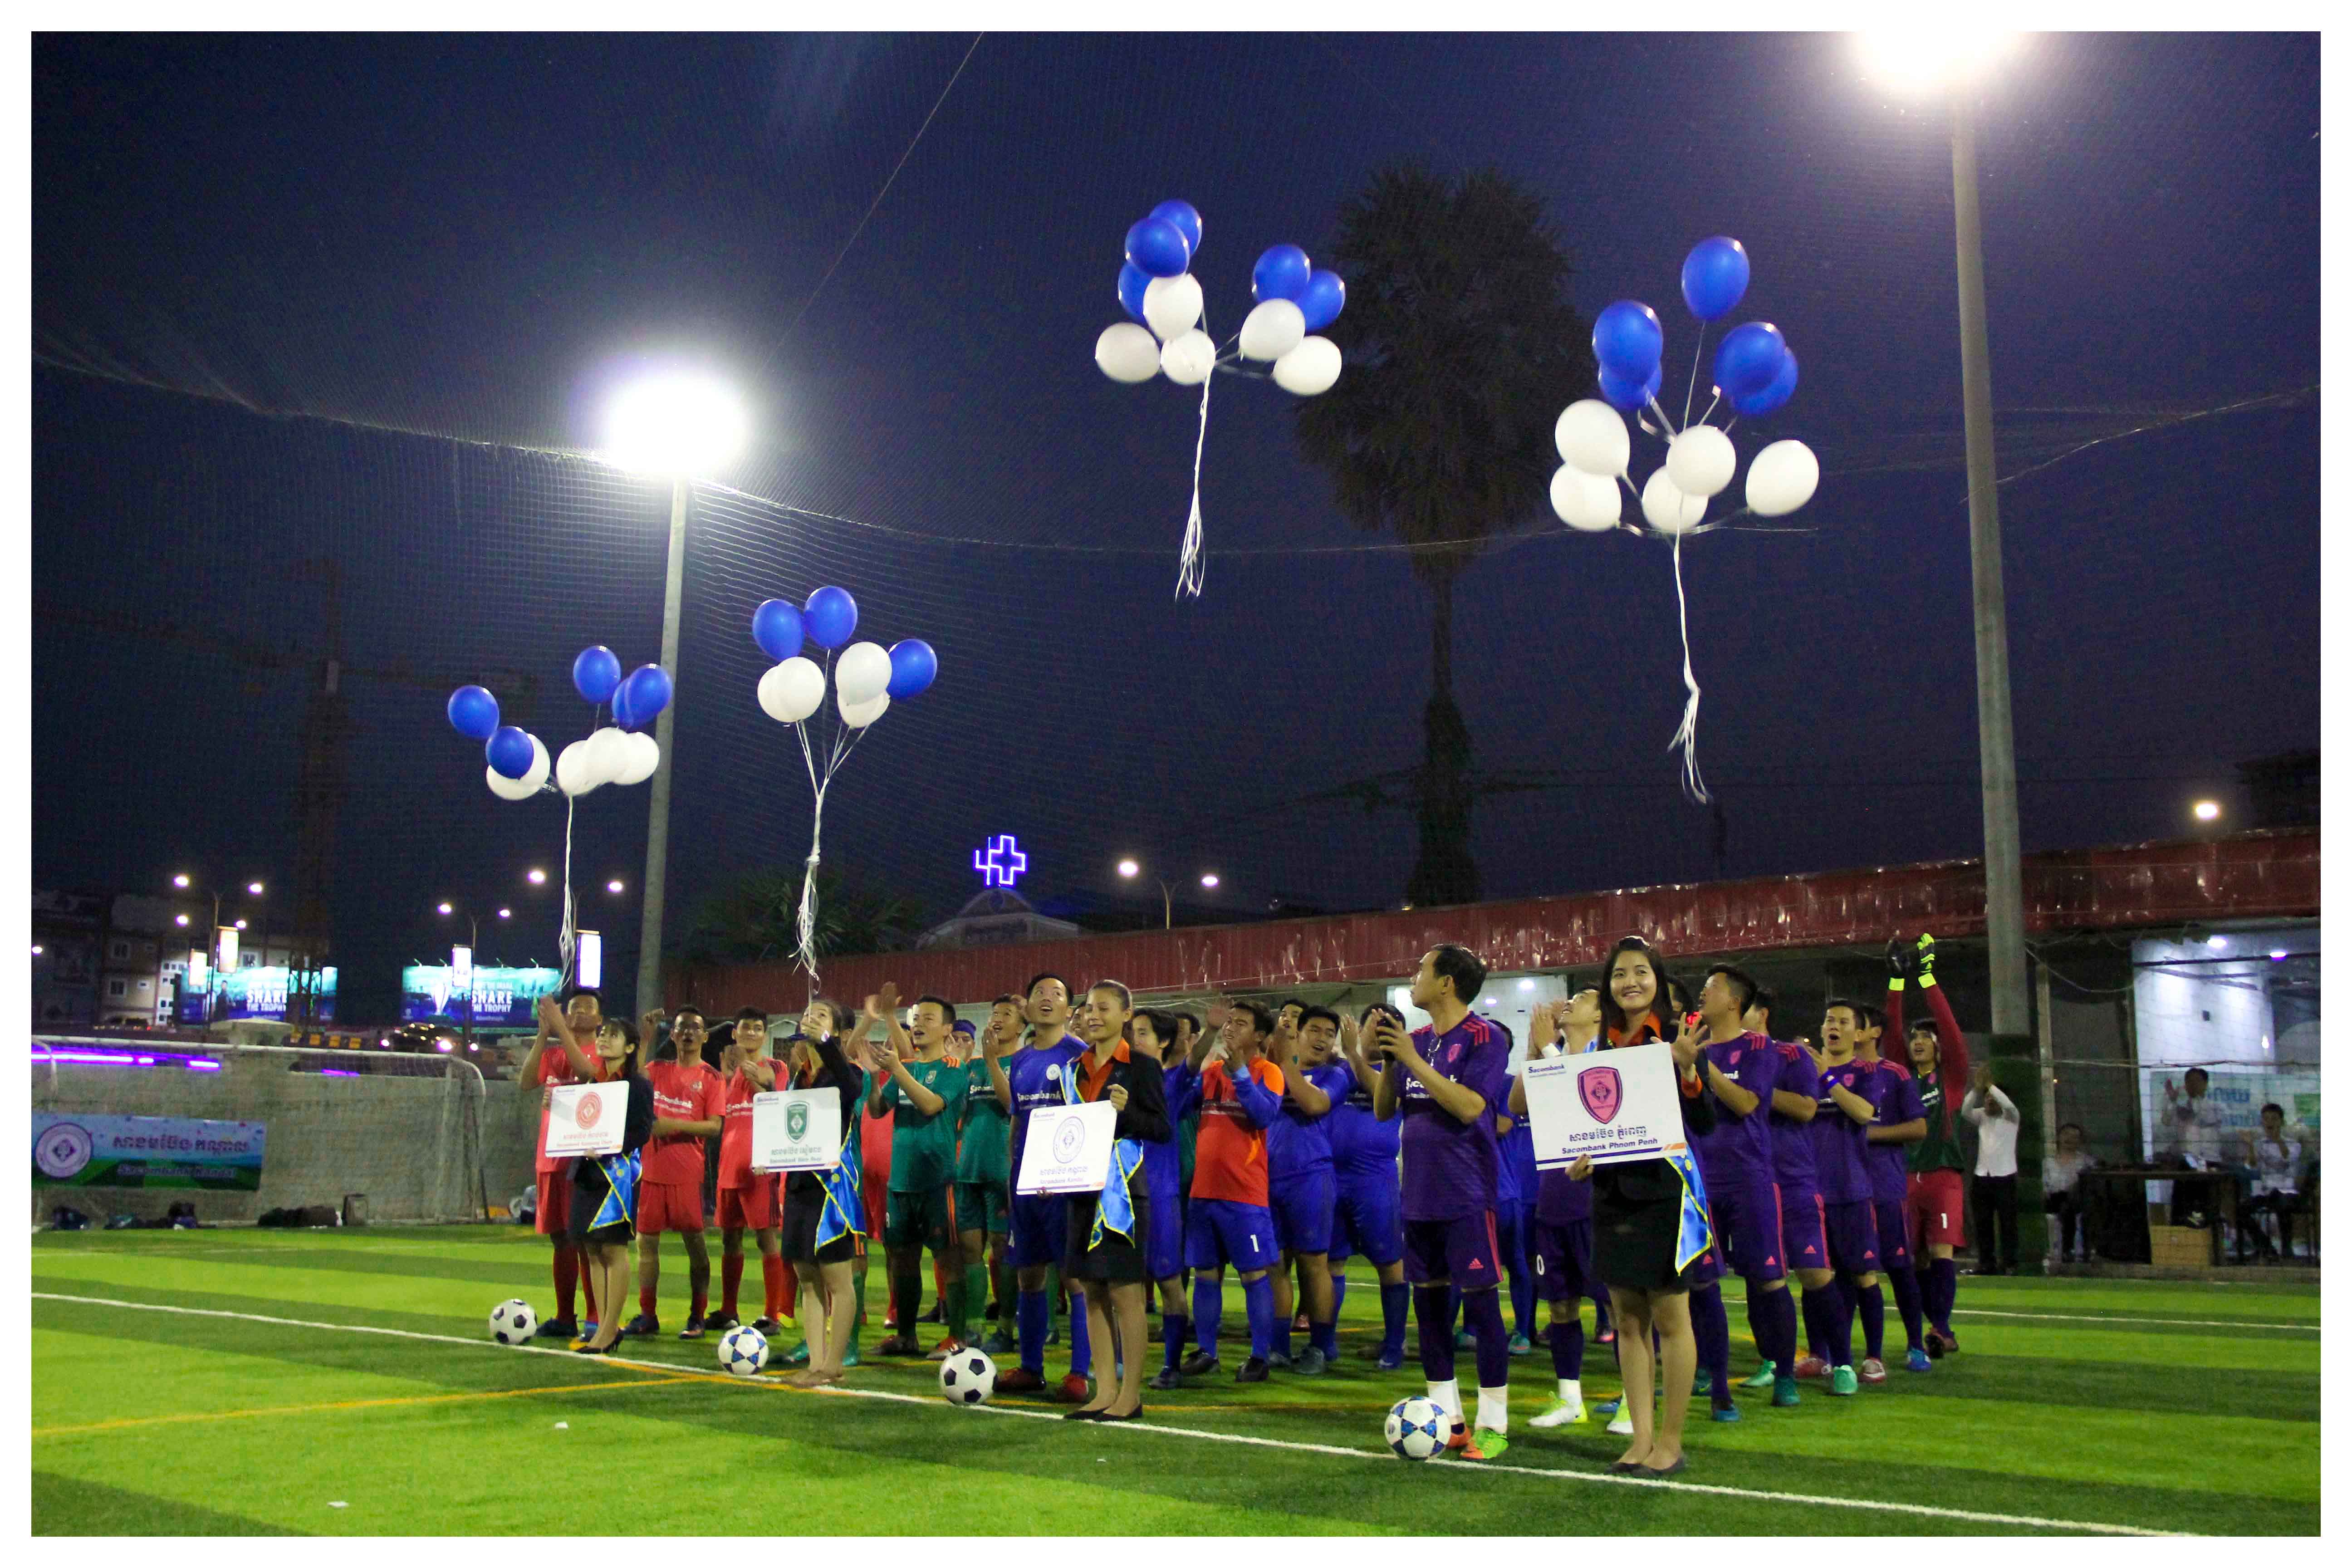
x: 1934, y: 1208
x: 877, y: 1201
x: 668, y: 1206
x: 748, y: 1209
x: 554, y: 1203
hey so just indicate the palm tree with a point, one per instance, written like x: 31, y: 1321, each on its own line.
x: 1462, y: 348
x: 755, y: 919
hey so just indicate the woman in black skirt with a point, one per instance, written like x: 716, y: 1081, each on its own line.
x: 604, y: 1186
x: 1111, y: 1268
x: 1637, y: 1215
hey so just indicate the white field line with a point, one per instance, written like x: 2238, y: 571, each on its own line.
x: 1744, y: 1493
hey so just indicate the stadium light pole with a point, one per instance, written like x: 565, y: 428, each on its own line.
x: 1131, y: 868
x: 678, y: 426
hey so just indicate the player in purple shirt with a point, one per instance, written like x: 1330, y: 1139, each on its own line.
x: 1153, y: 1033
x: 1026, y: 1079
x: 1804, y: 1235
x: 1446, y: 1080
x: 1364, y: 1211
x: 1841, y: 1129
x: 1301, y: 1184
x: 1901, y: 1122
x: 1563, y: 1229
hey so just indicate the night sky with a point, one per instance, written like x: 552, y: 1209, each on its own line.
x: 330, y: 297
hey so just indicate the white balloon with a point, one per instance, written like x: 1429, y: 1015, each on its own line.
x: 1782, y: 477
x: 644, y: 757
x: 1700, y: 461
x: 1668, y: 509
x: 792, y: 691
x: 507, y: 788
x: 1273, y: 330
x: 1172, y: 305
x: 858, y: 715
x: 541, y: 766
x: 862, y: 672
x: 1586, y: 502
x: 1127, y: 353
x: 608, y: 754
x: 1591, y: 436
x: 1309, y: 368
x: 575, y: 770
x: 1189, y: 359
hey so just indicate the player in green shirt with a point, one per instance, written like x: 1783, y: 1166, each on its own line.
x: 983, y: 1174
x: 925, y: 1093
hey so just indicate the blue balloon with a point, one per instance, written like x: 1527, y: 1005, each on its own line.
x: 472, y: 712
x: 776, y: 627
x: 913, y: 668
x: 1280, y: 273
x: 510, y: 752
x: 1324, y: 298
x: 1777, y: 391
x: 1627, y: 339
x: 1715, y: 276
x: 1627, y: 397
x: 830, y: 616
x: 596, y: 673
x: 642, y: 697
x: 1748, y: 358
x: 1158, y: 247
x: 1132, y: 282
x: 1186, y: 218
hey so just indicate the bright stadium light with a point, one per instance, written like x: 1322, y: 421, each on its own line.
x: 1208, y: 878
x: 506, y: 914
x: 2207, y: 811
x: 1129, y: 869
x: 181, y: 880
x: 1931, y: 55
x: 614, y: 886
x: 180, y: 920
x: 254, y: 888
x: 535, y: 876
x: 447, y: 908
x: 682, y: 424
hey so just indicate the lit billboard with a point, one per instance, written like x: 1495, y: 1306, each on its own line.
x: 503, y: 998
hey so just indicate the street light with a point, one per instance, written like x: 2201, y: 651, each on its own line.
x: 1208, y: 879
x: 614, y: 886
x: 2207, y: 810
x: 1131, y: 868
x: 680, y: 424
x: 535, y: 876
x: 187, y: 882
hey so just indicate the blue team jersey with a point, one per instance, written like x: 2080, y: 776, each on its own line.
x: 1035, y: 1075
x: 1363, y: 1147
x: 1792, y: 1140
x: 1518, y: 1151
x: 1298, y: 1145
x: 1841, y: 1144
x: 1163, y: 1163
x: 1895, y: 1094
x: 1739, y: 1151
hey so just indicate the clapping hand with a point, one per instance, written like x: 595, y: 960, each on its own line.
x: 1219, y: 1010
x: 1543, y: 1024
x: 1350, y: 1041
x: 650, y: 1025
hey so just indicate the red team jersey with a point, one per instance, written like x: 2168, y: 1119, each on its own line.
x: 735, y: 1134
x: 1229, y: 1157
x: 682, y: 1094
x: 554, y: 1073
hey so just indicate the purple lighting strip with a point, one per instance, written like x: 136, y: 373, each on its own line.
x: 97, y: 1059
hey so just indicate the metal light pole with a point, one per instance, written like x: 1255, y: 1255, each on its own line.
x: 649, y: 939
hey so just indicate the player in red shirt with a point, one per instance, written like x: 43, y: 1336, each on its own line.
x: 689, y: 1104
x: 571, y: 1029
x: 1238, y: 1094
x: 748, y: 1199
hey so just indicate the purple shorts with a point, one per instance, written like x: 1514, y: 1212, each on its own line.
x: 1460, y: 1250
x: 1854, y: 1236
x: 1041, y: 1229
x: 1364, y: 1222
x: 1218, y: 1231
x: 1893, y: 1235
x: 1302, y: 1210
x: 1747, y: 1221
x: 1804, y: 1234
x: 1562, y: 1256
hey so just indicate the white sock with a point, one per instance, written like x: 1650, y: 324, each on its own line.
x: 1447, y: 1396
x: 1571, y: 1390
x: 1493, y: 1409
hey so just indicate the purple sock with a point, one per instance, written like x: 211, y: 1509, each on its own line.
x: 1483, y: 1310
x: 1568, y: 1347
x: 1782, y: 1308
x: 1031, y: 1316
x: 1816, y: 1306
x: 1258, y: 1299
x: 1947, y: 1290
x: 1208, y: 1309
x: 1836, y: 1327
x: 1711, y: 1326
x: 1174, y: 1327
x: 1081, y: 1358
x: 1395, y: 1302
x: 1433, y: 1314
x: 1873, y: 1322
x: 1906, y: 1302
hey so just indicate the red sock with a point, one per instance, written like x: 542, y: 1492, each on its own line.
x: 773, y: 1273
x: 567, y: 1280
x: 730, y: 1281
x: 579, y: 1264
x: 701, y: 1307
x: 646, y: 1300
x: 792, y: 1288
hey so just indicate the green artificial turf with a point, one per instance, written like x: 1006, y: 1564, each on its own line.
x: 2152, y: 1405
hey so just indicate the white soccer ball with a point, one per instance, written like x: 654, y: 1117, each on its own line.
x: 512, y: 1323
x: 1418, y: 1428
x: 968, y: 1377
x: 743, y: 1351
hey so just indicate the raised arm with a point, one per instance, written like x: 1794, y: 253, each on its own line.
x: 1729, y: 1093
x: 1260, y: 1104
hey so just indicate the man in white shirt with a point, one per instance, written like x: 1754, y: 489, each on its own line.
x: 2277, y: 1160
x: 1992, y: 1193
x: 2195, y: 1122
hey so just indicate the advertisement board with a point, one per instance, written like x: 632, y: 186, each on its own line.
x: 71, y: 1149
x: 503, y: 998
x: 261, y: 993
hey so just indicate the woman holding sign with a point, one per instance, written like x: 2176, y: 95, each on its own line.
x: 605, y: 1194
x: 1648, y: 1220
x: 1108, y: 1238
x: 825, y: 1212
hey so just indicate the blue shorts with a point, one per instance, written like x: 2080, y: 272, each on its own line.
x: 1462, y: 1252
x: 1893, y: 1234
x: 1041, y: 1229
x: 1562, y: 1258
x: 1219, y: 1231
x: 1163, y: 1254
x: 1854, y: 1236
x: 1514, y: 1234
x: 1804, y: 1234
x: 1302, y: 1210
x: 1365, y: 1220
x: 1747, y: 1221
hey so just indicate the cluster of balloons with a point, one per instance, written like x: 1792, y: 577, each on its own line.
x: 1162, y: 299
x: 867, y: 678
x: 520, y: 765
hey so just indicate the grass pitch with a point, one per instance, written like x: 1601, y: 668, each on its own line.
x: 262, y: 1407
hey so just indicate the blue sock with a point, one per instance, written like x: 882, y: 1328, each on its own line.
x: 1568, y: 1346
x: 1174, y: 1327
x: 1432, y: 1314
x: 1281, y: 1325
x: 1338, y: 1294
x: 1258, y: 1299
x: 1208, y: 1310
x: 1395, y: 1300
x: 1944, y: 1276
x: 1483, y: 1310
x: 1081, y: 1361
x: 1031, y: 1313
x: 1325, y: 1337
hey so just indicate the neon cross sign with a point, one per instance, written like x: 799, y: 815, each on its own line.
x: 1000, y: 861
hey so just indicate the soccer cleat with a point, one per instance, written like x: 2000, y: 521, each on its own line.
x: 1388, y: 1362
x: 933, y: 1315
x: 1199, y: 1364
x: 1487, y: 1445
x: 1020, y: 1380
x: 900, y: 1344
x: 849, y: 1356
x: 1810, y: 1366
x: 1935, y: 1345
x: 1784, y: 1393
x: 1459, y: 1440
x: 693, y: 1330
x: 1278, y: 1360
x: 1522, y: 1345
x: 1624, y: 1425
x: 1702, y: 1383
x: 1605, y: 1335
x: 1559, y: 1412
x: 1843, y: 1381
x: 1252, y: 1371
x: 945, y: 1348
x: 1310, y: 1363
x: 767, y: 1328
x: 645, y: 1325
x: 1073, y: 1389
x: 559, y: 1329
x: 1464, y: 1340
x: 1053, y: 1335
x: 1724, y: 1413
x: 1763, y: 1378
x: 999, y: 1342
x: 1166, y: 1379
x: 719, y: 1322
x: 1916, y: 1360
x: 1951, y: 1342
x: 1609, y: 1407
x: 798, y: 1356
x: 1873, y: 1369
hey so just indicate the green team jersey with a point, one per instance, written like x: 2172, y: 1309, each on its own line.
x: 984, y: 1158
x: 1941, y: 1150
x: 922, y: 1148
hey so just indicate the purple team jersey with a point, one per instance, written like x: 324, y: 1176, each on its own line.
x: 1739, y: 1149
x: 1298, y: 1144
x: 1035, y: 1075
x: 1363, y: 1147
x: 1449, y: 1166
x: 1792, y: 1140
x: 1559, y: 1201
x: 1841, y: 1144
x: 1895, y: 1094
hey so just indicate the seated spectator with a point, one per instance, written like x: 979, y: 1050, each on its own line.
x: 2277, y: 1163
x: 2061, y: 1194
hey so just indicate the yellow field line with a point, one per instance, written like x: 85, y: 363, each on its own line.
x: 359, y: 1405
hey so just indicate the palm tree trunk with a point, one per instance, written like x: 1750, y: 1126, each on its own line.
x: 1443, y: 871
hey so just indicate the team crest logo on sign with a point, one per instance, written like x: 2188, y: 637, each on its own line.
x: 587, y: 1111
x: 1601, y: 1092
x: 796, y: 1120
x: 1069, y: 1137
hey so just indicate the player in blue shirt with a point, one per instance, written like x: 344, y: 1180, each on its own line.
x: 1365, y: 1217
x: 1024, y: 1080
x: 1841, y: 1129
x: 1901, y: 1122
x: 1302, y: 1185
x: 1154, y: 1033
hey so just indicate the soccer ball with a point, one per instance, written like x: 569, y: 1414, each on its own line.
x: 1417, y: 1428
x: 512, y: 1323
x: 744, y: 1351
x: 968, y: 1377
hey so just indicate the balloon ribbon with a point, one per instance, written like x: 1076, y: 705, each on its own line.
x: 1686, y: 737
x: 1190, y: 567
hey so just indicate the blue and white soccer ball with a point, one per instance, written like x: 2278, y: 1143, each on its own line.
x: 968, y: 1377
x: 512, y: 1323
x: 744, y: 1351
x: 1418, y: 1428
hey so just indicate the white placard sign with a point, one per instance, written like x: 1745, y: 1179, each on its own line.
x: 1613, y: 1105
x: 797, y: 1129
x: 1070, y: 1148
x: 586, y: 1118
